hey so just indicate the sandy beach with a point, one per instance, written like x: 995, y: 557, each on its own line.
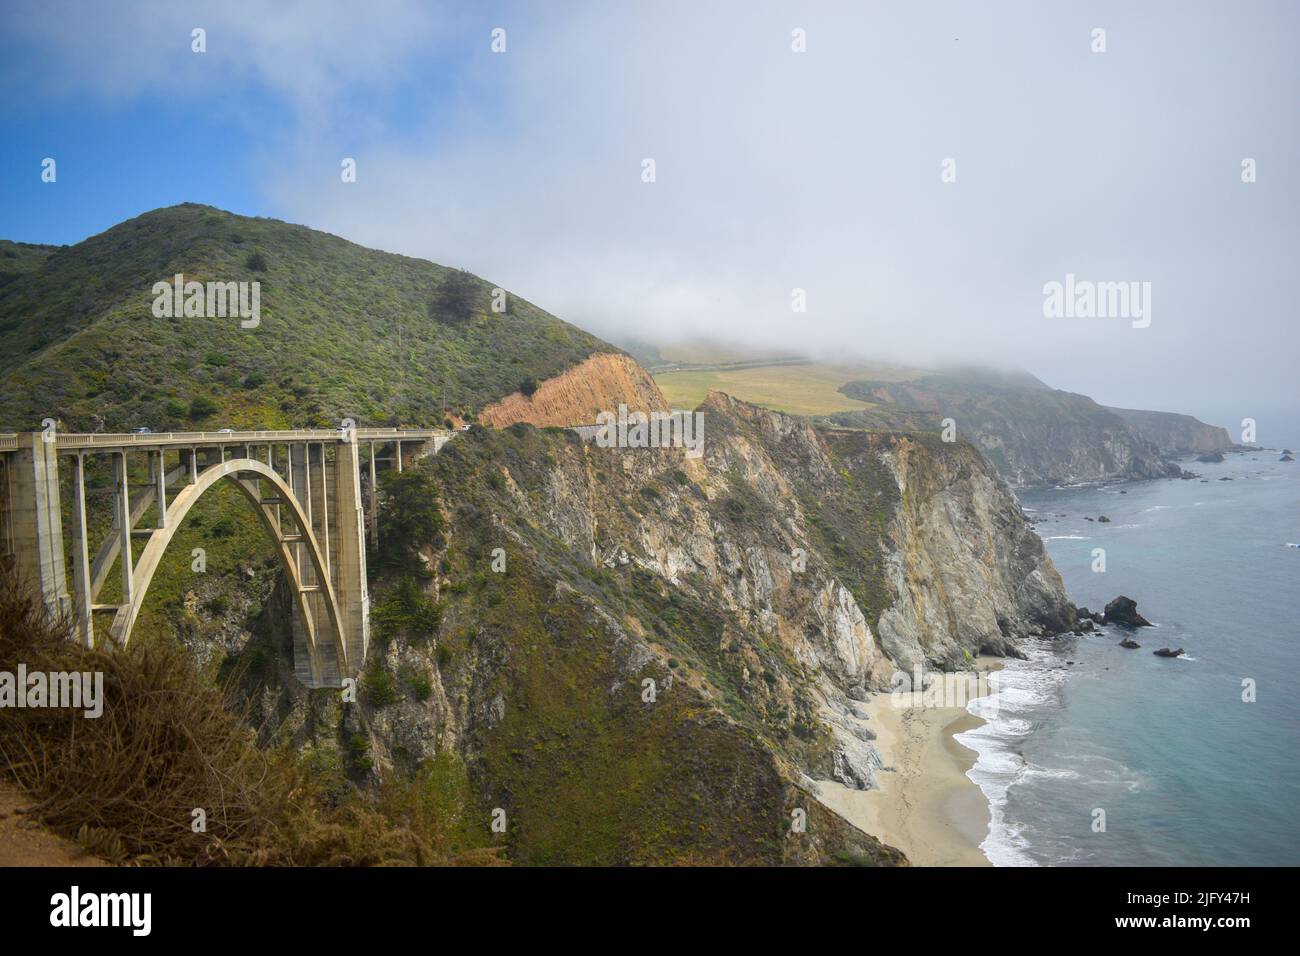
x: 926, y: 806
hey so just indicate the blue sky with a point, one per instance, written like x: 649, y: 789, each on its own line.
x: 198, y: 127
x: 776, y: 170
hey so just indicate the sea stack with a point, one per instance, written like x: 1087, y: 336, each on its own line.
x: 1123, y: 611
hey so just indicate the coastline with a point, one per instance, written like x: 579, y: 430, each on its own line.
x: 926, y: 805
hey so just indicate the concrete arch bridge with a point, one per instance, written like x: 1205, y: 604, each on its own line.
x: 304, y: 485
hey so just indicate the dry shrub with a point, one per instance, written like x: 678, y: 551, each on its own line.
x: 125, y: 784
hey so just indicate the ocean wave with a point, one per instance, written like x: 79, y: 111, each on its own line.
x: 1020, y: 688
x: 1057, y: 773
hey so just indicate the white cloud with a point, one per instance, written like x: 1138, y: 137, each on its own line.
x: 818, y: 170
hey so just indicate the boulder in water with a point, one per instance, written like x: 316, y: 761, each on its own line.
x: 1131, y: 644
x: 1095, y: 616
x: 1166, y: 652
x: 1123, y: 611
x: 1103, y: 519
x: 1286, y: 456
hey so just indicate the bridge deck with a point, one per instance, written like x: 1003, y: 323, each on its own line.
x: 71, y: 441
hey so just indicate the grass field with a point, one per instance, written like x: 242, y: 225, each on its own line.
x: 806, y: 389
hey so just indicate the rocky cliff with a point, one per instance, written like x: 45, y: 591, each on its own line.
x: 1175, y: 435
x: 1033, y: 434
x: 642, y: 657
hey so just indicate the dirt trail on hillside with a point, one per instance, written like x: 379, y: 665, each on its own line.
x: 25, y: 842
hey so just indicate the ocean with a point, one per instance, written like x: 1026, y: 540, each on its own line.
x: 1124, y: 758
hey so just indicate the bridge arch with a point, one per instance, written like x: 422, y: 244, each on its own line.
x: 244, y: 473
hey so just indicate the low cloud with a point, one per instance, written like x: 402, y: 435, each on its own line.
x: 821, y: 171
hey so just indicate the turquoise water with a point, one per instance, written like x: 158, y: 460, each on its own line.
x: 1184, y: 770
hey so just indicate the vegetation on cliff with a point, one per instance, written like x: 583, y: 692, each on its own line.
x: 130, y: 784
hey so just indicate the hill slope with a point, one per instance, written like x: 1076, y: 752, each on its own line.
x: 1033, y: 434
x: 1174, y: 434
x: 344, y: 331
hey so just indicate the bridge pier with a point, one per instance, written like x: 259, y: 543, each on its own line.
x: 36, y: 519
x: 350, y: 546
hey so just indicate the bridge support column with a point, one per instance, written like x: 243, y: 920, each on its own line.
x: 349, y: 537
x: 83, y: 597
x: 36, y: 520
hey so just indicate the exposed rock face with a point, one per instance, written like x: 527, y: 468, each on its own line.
x: 1033, y: 434
x: 764, y: 588
x: 1210, y: 457
x: 1123, y: 611
x: 575, y: 397
x: 1176, y: 435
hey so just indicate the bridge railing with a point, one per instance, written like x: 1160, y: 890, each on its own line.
x: 75, y: 440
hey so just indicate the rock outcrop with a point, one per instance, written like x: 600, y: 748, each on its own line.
x: 1123, y: 611
x: 599, y: 383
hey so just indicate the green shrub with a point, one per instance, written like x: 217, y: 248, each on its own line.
x: 359, y: 751
x: 380, y: 688
x: 223, y: 527
x: 404, y: 610
x: 420, y: 684
x: 409, y: 519
x: 202, y: 407
x: 453, y: 301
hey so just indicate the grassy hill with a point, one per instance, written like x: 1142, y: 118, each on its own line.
x: 787, y: 384
x: 345, y: 331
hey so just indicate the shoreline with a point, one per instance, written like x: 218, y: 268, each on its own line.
x: 925, y: 806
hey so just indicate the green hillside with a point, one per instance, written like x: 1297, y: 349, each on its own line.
x: 344, y: 331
